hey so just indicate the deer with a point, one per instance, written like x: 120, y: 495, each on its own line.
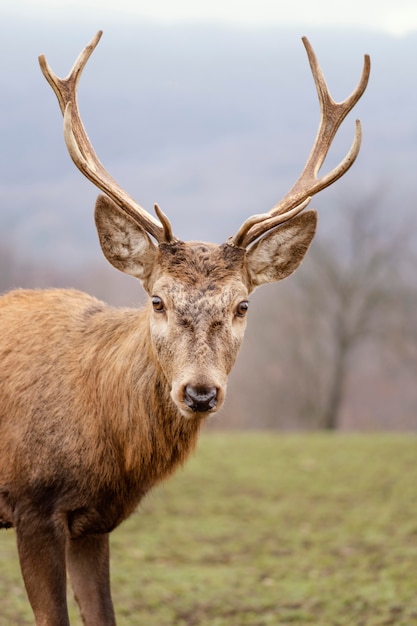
x: 100, y: 404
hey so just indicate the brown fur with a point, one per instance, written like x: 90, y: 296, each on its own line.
x: 93, y: 409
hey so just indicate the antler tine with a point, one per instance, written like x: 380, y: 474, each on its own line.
x: 332, y: 115
x: 82, y: 151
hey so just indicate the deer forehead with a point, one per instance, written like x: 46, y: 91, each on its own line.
x: 197, y: 269
x: 195, y: 278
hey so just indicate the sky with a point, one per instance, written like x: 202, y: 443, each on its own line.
x: 397, y: 17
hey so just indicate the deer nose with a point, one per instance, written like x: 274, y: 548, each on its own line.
x: 200, y: 399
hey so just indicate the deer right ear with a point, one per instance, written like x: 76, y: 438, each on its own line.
x: 280, y: 252
x: 125, y: 244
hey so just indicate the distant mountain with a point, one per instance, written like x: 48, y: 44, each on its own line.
x: 212, y: 123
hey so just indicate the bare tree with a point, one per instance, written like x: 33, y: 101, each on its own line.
x: 354, y: 291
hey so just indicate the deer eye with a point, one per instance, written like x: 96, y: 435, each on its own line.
x: 242, y: 308
x: 157, y: 304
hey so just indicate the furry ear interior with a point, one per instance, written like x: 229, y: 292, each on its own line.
x: 125, y: 244
x: 276, y: 255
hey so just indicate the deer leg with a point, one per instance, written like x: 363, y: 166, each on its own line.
x: 41, y: 547
x: 88, y: 566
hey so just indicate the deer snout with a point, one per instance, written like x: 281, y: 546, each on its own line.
x: 200, y: 399
x: 193, y: 395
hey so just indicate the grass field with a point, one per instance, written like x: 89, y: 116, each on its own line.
x: 266, y: 529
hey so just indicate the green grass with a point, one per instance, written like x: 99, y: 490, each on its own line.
x: 266, y: 529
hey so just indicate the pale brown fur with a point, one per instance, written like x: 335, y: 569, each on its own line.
x: 93, y: 408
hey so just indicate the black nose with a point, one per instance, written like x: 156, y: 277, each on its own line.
x: 200, y: 399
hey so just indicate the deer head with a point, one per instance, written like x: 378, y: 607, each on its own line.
x: 198, y: 292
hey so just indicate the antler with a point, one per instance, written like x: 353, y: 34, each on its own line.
x: 332, y: 115
x: 82, y: 151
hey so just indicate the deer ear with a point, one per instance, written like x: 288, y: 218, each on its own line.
x: 281, y: 251
x: 125, y: 244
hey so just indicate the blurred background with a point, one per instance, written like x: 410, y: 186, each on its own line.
x: 210, y: 110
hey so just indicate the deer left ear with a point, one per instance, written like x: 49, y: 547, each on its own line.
x: 281, y: 251
x: 125, y: 244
